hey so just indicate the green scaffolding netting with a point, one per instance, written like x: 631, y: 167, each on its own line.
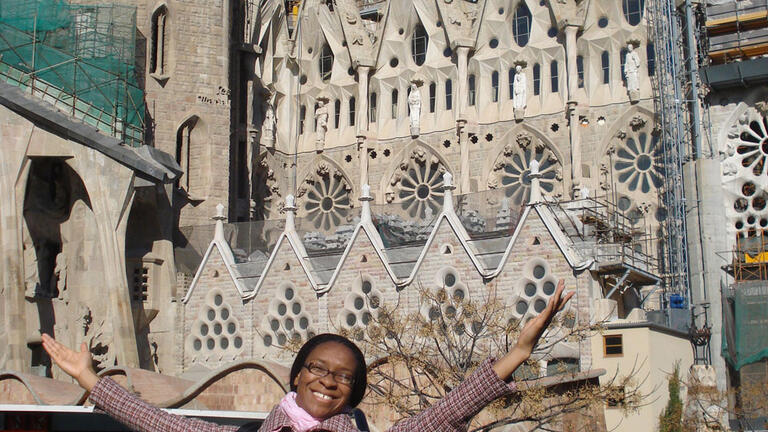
x: 745, y: 326
x: 81, y: 58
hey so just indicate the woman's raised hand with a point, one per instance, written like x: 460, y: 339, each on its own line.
x: 78, y: 365
x: 535, y: 327
x: 531, y: 334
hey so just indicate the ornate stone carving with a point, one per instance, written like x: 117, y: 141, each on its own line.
x: 523, y: 140
x: 321, y: 122
x: 631, y: 69
x: 637, y: 123
x: 414, y: 103
x: 520, y: 93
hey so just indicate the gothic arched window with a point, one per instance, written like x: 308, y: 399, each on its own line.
x: 432, y: 96
x: 471, y: 90
x: 580, y: 71
x: 326, y: 62
x: 158, y: 50
x: 555, y: 76
x: 605, y: 59
x: 495, y: 86
x: 395, y: 96
x: 536, y: 79
x: 372, y: 108
x: 419, y: 45
x: 633, y: 10
x: 521, y: 24
x: 448, y: 94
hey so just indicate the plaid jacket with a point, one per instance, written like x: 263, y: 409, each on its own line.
x: 451, y: 414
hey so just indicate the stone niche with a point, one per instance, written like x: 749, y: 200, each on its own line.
x: 63, y: 266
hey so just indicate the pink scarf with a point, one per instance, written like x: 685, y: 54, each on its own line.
x: 301, y: 421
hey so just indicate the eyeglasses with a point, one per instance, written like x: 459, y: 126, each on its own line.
x: 339, y: 377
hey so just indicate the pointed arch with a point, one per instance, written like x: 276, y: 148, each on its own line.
x: 510, y: 167
x: 416, y: 180
x: 326, y: 194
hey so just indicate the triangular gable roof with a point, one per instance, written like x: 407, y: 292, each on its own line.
x: 229, y: 261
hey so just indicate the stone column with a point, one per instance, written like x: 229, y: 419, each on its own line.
x: 462, y: 56
x: 461, y: 132
x: 570, y: 57
x: 362, y: 99
x: 362, y: 149
x: 575, y: 135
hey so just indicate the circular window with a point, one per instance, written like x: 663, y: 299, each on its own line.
x: 289, y: 293
x: 366, y: 287
x: 197, y: 345
x: 224, y: 313
x: 549, y: 288
x: 274, y: 324
x: 288, y: 324
x: 439, y: 23
x: 224, y: 343
x: 217, y: 329
x: 530, y: 289
x: 218, y: 300
x: 296, y: 308
x: 643, y: 162
x: 231, y: 328
x: 238, y: 342
x: 204, y: 329
x: 450, y: 312
x: 458, y: 295
x: 366, y: 318
x: 624, y: 203
x: 434, y: 313
x: 211, y: 314
x: 538, y: 272
x: 539, y: 305
x: 602, y: 22
x: 552, y: 32
x: 303, y: 323
x: 282, y: 309
x: 281, y: 339
x: 422, y: 191
x: 326, y: 204
x: 400, y: 31
x: 359, y: 303
x: 447, y: 52
x: 351, y: 319
x: 501, y: 11
x: 450, y: 279
x: 521, y: 307
x: 210, y: 343
x: 740, y: 205
x: 758, y: 203
x: 393, y: 62
x: 493, y: 43
x: 351, y: 71
x: 267, y: 340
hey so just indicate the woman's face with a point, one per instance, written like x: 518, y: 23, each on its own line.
x: 324, y: 397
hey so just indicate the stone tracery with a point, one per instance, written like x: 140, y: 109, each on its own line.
x: 744, y: 171
x: 326, y: 196
x: 511, y: 170
x: 418, y: 183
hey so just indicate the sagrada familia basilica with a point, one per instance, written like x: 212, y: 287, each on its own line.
x: 269, y: 170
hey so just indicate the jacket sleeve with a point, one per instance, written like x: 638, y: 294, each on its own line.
x: 143, y: 417
x: 456, y: 409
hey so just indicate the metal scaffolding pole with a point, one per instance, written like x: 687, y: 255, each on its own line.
x: 671, y: 83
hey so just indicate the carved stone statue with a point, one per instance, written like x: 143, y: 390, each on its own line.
x: 520, y: 93
x: 268, y: 127
x: 321, y: 120
x: 631, y: 68
x: 414, y: 103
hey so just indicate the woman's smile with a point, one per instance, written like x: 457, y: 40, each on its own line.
x: 322, y: 387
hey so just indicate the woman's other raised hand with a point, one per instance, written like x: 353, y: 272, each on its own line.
x: 78, y: 365
x: 531, y: 334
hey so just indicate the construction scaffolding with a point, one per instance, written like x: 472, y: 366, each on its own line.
x: 676, y: 103
x: 79, y: 58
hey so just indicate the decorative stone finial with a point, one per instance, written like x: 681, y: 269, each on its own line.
x: 220, y: 217
x: 290, y: 213
x: 535, y: 175
x: 365, y: 199
x: 448, y: 188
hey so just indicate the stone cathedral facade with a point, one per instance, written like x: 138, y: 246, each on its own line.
x: 351, y: 150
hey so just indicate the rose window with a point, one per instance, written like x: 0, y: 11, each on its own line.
x: 418, y: 184
x: 753, y: 146
x: 513, y: 169
x: 745, y: 175
x: 326, y: 200
x: 638, y: 163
